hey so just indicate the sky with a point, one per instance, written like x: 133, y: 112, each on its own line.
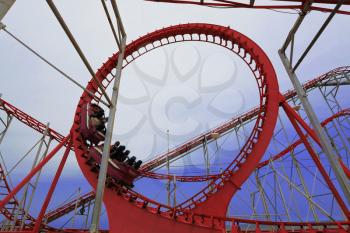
x: 180, y: 73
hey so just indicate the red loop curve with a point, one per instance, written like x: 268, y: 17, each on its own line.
x: 209, y: 201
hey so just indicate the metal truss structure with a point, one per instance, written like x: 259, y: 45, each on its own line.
x: 274, y: 5
x: 271, y: 136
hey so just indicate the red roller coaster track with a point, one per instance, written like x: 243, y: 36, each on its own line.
x: 133, y: 196
x: 61, y: 211
x: 210, y: 201
x: 181, y: 149
x: 206, y: 210
x: 345, y: 112
x: 195, y: 142
x: 276, y: 5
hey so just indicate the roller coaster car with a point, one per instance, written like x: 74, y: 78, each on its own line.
x: 92, y: 123
x: 123, y: 173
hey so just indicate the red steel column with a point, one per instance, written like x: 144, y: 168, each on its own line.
x: 52, y: 188
x: 316, y: 160
x: 33, y: 172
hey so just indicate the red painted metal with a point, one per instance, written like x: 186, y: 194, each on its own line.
x: 236, y: 173
x: 223, y: 128
x: 345, y: 168
x: 260, y: 226
x: 88, y: 131
x: 345, y: 112
x: 181, y: 149
x: 291, y: 115
x: 33, y: 172
x: 152, y: 223
x: 280, y: 155
x: 68, y: 207
x: 8, y: 209
x: 195, y: 142
x: 194, y: 217
x: 52, y: 189
x: 255, y: 4
x: 90, y: 195
x: 29, y: 120
x: 144, y: 203
x: 200, y: 178
x: 120, y: 171
x: 281, y: 5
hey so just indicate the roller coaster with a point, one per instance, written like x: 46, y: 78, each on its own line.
x: 290, y: 172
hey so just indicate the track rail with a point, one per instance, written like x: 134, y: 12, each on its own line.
x: 185, y: 220
x: 29, y: 120
x: 153, y: 207
x: 297, y: 4
x: 242, y: 165
x: 223, y: 128
x: 68, y: 207
x: 289, y: 94
x: 13, y: 205
x: 345, y: 112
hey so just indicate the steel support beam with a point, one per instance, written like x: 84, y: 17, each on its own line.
x: 334, y: 83
x: 2, y: 26
x: 168, y: 170
x: 323, y: 139
x: 110, y: 124
x: 35, y: 185
x: 293, y: 117
x: 8, y: 122
x: 34, y: 171
x: 318, y: 34
x: 5, y: 6
x: 108, y: 139
x: 77, y: 48
x: 52, y: 189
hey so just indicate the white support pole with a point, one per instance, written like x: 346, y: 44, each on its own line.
x: 22, y: 204
x: 108, y: 138
x: 174, y: 191
x: 168, y: 170
x: 2, y: 26
x: 206, y: 159
x: 8, y: 123
x: 76, y: 207
x: 5, y: 6
x: 324, y: 140
x: 26, y: 210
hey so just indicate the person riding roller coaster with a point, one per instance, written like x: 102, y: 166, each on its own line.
x: 93, y: 129
x: 97, y: 118
x: 97, y: 111
x: 121, y: 169
x: 119, y: 154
